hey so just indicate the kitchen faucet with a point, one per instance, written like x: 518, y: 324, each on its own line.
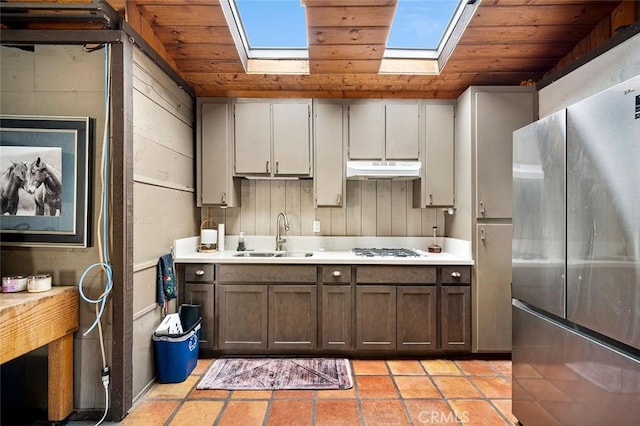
x: 279, y: 239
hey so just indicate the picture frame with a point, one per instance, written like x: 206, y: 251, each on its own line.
x: 45, y: 181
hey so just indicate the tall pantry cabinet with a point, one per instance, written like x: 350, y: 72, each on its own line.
x: 485, y: 120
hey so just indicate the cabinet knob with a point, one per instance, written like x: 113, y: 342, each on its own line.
x: 456, y: 274
x: 277, y: 167
x: 267, y: 166
x: 483, y: 235
x: 482, y: 208
x: 336, y: 274
x: 430, y: 198
x: 200, y: 272
x: 224, y: 198
x: 339, y: 199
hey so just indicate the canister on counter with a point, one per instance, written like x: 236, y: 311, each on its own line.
x: 38, y: 283
x: 14, y: 283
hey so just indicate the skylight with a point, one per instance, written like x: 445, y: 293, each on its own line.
x: 420, y: 24
x: 272, y: 30
x: 272, y: 25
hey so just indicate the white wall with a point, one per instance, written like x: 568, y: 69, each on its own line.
x: 613, y: 67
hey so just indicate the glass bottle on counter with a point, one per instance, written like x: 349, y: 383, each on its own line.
x: 434, y: 247
x: 241, y: 244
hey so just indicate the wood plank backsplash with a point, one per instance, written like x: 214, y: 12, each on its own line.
x: 372, y: 208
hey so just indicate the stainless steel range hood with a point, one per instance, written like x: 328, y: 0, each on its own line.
x: 383, y: 170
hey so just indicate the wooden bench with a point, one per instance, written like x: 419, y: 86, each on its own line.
x: 31, y: 320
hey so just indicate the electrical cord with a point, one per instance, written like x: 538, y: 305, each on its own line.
x: 101, y: 301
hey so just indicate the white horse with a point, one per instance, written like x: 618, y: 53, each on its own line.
x: 45, y: 182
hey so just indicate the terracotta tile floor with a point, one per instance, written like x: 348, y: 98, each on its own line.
x: 392, y: 392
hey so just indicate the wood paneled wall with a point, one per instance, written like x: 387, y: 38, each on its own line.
x: 627, y: 13
x: 163, y: 196
x: 37, y: 83
x: 372, y: 208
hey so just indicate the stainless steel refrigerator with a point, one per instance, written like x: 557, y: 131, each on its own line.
x: 576, y: 263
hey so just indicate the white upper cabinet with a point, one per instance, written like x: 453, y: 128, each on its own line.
x: 498, y: 115
x: 366, y: 131
x: 402, y: 131
x: 291, y: 139
x: 272, y: 138
x: 216, y: 185
x: 439, y: 170
x: 328, y: 177
x: 384, y: 130
x: 436, y: 188
x: 252, y: 122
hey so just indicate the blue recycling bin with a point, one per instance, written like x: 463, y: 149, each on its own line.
x: 176, y: 354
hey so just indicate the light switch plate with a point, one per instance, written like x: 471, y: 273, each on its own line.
x: 316, y: 226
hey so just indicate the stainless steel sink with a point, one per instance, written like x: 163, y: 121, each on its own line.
x: 273, y: 254
x: 256, y: 254
x: 295, y: 254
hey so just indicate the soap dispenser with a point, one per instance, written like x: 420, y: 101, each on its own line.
x: 241, y: 244
x: 434, y: 247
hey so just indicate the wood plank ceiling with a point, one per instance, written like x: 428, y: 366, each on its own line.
x: 505, y: 42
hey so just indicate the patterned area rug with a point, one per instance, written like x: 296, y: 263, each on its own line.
x: 277, y: 373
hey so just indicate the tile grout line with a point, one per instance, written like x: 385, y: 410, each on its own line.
x: 395, y: 384
x: 485, y: 397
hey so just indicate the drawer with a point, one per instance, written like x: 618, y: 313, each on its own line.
x: 268, y: 274
x: 199, y: 272
x: 396, y: 274
x: 336, y: 274
x: 456, y: 274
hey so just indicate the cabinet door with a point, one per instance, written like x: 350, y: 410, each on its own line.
x: 438, y: 163
x: 366, y: 131
x: 202, y: 294
x: 336, y: 322
x: 497, y: 116
x: 328, y: 178
x: 456, y: 318
x: 291, y: 139
x: 243, y: 316
x: 492, y: 293
x: 376, y: 317
x: 218, y: 187
x: 417, y: 317
x: 252, y: 123
x: 402, y: 141
x: 293, y: 316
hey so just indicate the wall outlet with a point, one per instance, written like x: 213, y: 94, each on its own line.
x: 316, y: 226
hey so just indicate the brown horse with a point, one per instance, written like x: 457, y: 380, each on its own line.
x: 45, y: 182
x: 10, y: 183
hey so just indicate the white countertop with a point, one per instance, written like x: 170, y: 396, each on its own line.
x: 328, y: 250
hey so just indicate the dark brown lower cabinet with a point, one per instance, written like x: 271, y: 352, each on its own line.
x: 417, y: 318
x: 283, y: 309
x: 376, y: 317
x: 293, y: 316
x: 242, y: 317
x: 196, y: 287
x: 456, y: 318
x: 202, y: 294
x: 336, y: 321
x: 396, y: 317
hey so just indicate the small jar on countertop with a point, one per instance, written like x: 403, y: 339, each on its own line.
x: 14, y: 283
x: 38, y: 283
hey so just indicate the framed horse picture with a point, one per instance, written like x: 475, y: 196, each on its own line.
x: 45, y: 180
